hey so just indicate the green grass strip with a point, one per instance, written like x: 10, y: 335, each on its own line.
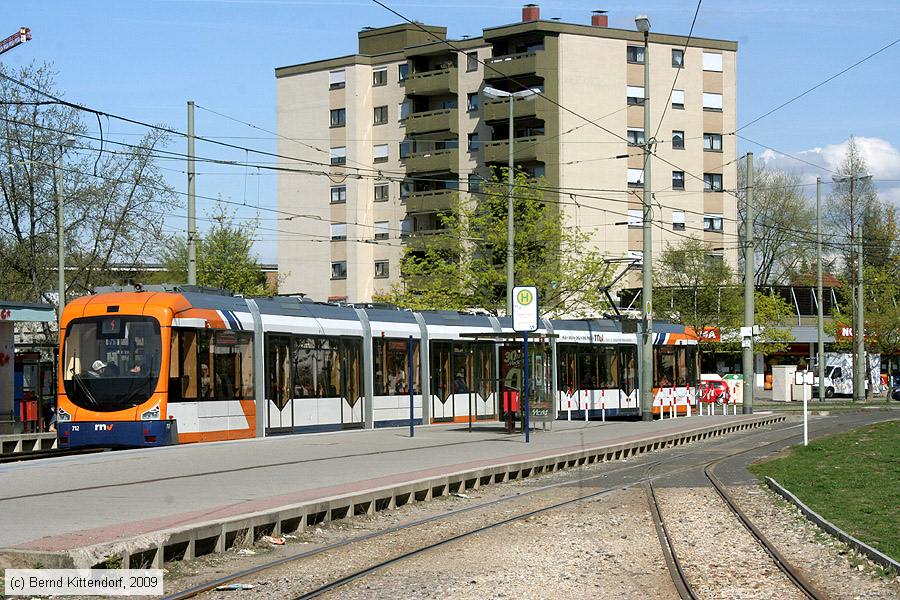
x: 851, y: 479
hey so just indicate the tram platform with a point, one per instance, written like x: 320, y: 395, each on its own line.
x: 153, y: 504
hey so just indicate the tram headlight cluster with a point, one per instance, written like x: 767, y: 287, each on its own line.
x: 151, y: 415
x: 62, y: 415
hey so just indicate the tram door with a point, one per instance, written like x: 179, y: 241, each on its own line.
x: 279, y: 409
x: 352, y: 413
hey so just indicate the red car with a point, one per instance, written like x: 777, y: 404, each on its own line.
x: 714, y: 391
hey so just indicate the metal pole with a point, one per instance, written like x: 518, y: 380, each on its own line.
x: 749, y: 291
x: 859, y: 328
x: 525, y: 409
x: 60, y: 231
x: 192, y: 203
x: 821, y: 299
x: 412, y: 415
x: 647, y: 289
x: 510, y: 216
x: 853, y: 282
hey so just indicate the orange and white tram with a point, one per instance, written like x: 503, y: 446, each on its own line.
x: 164, y: 366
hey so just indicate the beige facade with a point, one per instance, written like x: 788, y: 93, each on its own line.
x: 346, y: 243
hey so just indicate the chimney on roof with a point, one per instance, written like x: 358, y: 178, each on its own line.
x: 600, y: 19
x: 531, y: 12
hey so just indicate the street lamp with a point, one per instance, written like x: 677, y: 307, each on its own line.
x: 527, y: 94
x: 642, y: 22
x: 66, y: 142
x: 859, y: 332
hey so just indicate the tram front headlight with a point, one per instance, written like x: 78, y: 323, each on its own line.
x: 151, y: 415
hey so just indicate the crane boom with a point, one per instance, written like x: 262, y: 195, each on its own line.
x: 22, y: 36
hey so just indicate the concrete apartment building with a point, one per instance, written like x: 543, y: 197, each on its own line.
x: 384, y: 139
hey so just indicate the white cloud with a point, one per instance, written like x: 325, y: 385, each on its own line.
x: 882, y: 158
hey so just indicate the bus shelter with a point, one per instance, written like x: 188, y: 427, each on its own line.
x: 510, y: 371
x: 20, y: 405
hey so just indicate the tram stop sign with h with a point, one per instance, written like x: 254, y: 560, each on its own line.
x: 525, y: 308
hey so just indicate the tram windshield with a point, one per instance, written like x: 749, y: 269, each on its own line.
x: 111, y: 363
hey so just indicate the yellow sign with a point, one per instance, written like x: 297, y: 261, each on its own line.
x: 525, y: 297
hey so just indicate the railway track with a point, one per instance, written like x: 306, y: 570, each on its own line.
x: 406, y: 554
x: 676, y: 570
x: 41, y: 454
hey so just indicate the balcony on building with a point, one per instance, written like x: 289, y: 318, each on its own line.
x: 498, y: 110
x: 529, y: 137
x: 432, y: 120
x: 516, y: 56
x: 432, y: 74
x: 431, y: 155
x: 431, y: 200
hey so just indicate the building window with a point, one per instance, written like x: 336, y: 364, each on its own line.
x: 382, y: 269
x: 712, y: 142
x: 381, y: 115
x: 678, y: 99
x: 336, y: 79
x: 380, y: 153
x: 678, y: 221
x: 405, y: 146
x: 712, y: 223
x: 402, y: 72
x: 406, y: 188
x: 404, y: 110
x: 712, y: 182
x: 339, y: 269
x: 635, y: 94
x: 712, y: 61
x: 474, y: 183
x: 635, y: 137
x: 677, y: 180
x: 379, y: 77
x: 712, y: 101
x: 338, y: 155
x: 635, y: 177
x: 473, y: 142
x: 339, y: 194
x: 635, y: 54
x: 382, y: 191
x: 405, y: 227
x: 338, y: 231
x: 677, y: 140
x: 715, y: 260
x: 677, y: 58
x: 338, y: 117
x: 472, y: 61
x: 635, y: 218
x: 382, y: 230
x: 472, y: 102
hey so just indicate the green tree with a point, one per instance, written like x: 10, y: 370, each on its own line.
x: 698, y: 290
x: 462, y: 264
x: 882, y: 313
x: 225, y: 257
x: 780, y: 208
x: 695, y: 289
x: 114, y: 199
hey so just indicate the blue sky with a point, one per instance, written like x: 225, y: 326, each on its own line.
x: 145, y: 59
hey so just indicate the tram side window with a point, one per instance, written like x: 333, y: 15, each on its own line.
x: 185, y: 342
x: 330, y: 381
x: 681, y: 366
x: 609, y: 368
x: 440, y: 370
x: 692, y: 366
x: 587, y: 369
x: 462, y: 369
x: 391, y: 365
x: 566, y: 357
x: 233, y: 365
x: 628, y: 362
x: 307, y: 368
x: 664, y: 366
